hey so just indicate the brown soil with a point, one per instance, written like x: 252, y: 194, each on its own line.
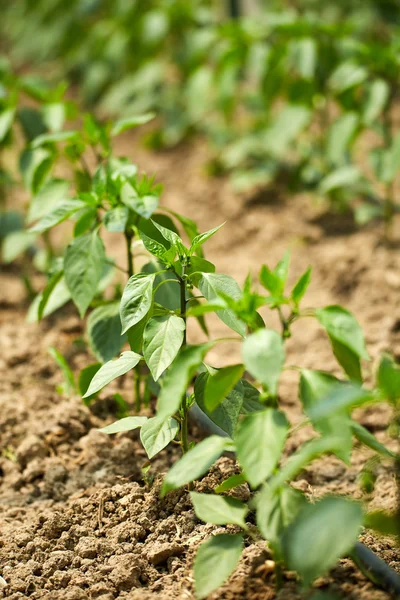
x: 77, y: 520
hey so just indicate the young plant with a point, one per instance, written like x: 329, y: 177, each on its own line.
x: 252, y: 425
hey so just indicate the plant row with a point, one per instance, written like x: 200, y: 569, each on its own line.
x: 151, y: 311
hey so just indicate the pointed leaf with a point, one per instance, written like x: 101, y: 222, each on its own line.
x: 263, y: 356
x: 127, y: 123
x: 157, y: 433
x: 199, y: 240
x: 163, y: 337
x: 83, y: 266
x: 125, y: 424
x: 142, y: 205
x: 116, y: 219
x: 63, y: 211
x: 260, y: 438
x: 210, y: 285
x: 136, y: 299
x: 222, y: 550
x: 218, y: 386
x: 219, y: 510
x: 333, y: 525
x: 195, y: 463
x: 276, y: 510
x: 104, y: 331
x: 226, y: 414
x: 341, y: 325
x: 388, y: 378
x: 301, y: 286
x: 111, y: 370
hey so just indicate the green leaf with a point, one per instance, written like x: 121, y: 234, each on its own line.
x: 48, y: 290
x: 219, y: 510
x: 383, y: 523
x: 218, y: 386
x: 301, y: 286
x: 178, y: 378
x: 368, y: 439
x: 211, y: 285
x: 333, y: 525
x: 59, y: 296
x: 342, y: 177
x: 304, y: 55
x: 86, y: 219
x: 47, y: 199
x: 142, y: 205
x: 282, y: 269
x: 157, y: 433
x: 388, y: 378
x: 377, y: 97
x: 222, y: 550
x: 230, y: 483
x: 136, y: 299
x: 342, y: 397
x: 57, y: 136
x: 125, y: 424
x: 348, y: 360
x: 163, y: 337
x: 111, y: 370
x: 61, y: 213
x: 6, y: 121
x: 69, y: 380
x: 199, y: 240
x: 347, y: 75
x: 34, y: 166
x: 315, y: 387
x: 340, y: 137
x: 195, y: 463
x: 157, y: 249
x: 341, y: 326
x: 260, y: 438
x: 135, y: 334
x: 104, y: 332
x: 124, y: 124
x: 115, y: 219
x: 263, y: 356
x: 285, y: 127
x: 271, y: 281
x: 15, y: 244
x: 170, y: 236
x: 86, y: 376
x: 226, y: 414
x: 303, y: 457
x: 54, y: 115
x: 251, y: 399
x: 276, y: 510
x: 83, y: 266
x: 168, y: 295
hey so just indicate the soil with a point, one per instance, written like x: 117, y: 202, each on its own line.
x: 77, y: 519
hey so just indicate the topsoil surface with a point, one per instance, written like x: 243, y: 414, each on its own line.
x: 77, y: 520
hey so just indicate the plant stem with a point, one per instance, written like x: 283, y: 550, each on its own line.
x: 278, y: 575
x: 184, y: 407
x: 128, y: 239
x: 137, y: 376
x: 388, y: 205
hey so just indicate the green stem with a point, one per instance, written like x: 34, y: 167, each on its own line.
x: 128, y: 239
x: 278, y: 575
x: 184, y: 406
x: 137, y: 375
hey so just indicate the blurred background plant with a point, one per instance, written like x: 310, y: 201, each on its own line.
x: 296, y: 95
